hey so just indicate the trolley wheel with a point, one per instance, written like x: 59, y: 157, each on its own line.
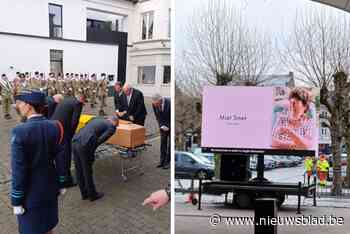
x: 194, y: 201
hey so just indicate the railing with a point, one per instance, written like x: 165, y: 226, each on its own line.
x: 104, y: 36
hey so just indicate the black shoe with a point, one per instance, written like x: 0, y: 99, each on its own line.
x: 7, y: 116
x: 84, y: 197
x: 160, y: 165
x: 167, y: 166
x: 96, y: 197
x: 92, y: 105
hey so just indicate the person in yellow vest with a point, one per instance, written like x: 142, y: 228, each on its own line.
x: 308, y: 164
x: 322, y: 169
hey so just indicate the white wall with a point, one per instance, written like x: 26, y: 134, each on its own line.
x: 32, y: 54
x: 149, y: 89
x: 26, y: 17
x: 32, y: 16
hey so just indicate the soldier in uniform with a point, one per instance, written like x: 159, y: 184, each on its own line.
x: 51, y: 90
x: 87, y: 88
x: 102, y: 93
x: 93, y: 89
x: 6, y: 89
x: 37, y: 173
x: 69, y: 86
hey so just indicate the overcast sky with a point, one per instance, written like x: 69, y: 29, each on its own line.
x: 268, y: 16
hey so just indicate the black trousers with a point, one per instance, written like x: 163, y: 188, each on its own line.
x: 66, y: 154
x: 83, y: 160
x: 164, y: 147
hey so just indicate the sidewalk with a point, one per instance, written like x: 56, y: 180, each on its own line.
x: 190, y: 220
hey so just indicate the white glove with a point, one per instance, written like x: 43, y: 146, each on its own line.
x: 18, y: 210
x: 63, y: 191
x: 164, y: 128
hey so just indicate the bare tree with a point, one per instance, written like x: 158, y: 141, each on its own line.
x: 318, y: 51
x: 223, y: 48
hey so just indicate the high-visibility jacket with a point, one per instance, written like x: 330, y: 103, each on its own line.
x: 308, y: 163
x: 322, y: 165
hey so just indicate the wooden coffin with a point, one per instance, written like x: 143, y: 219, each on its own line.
x: 128, y: 135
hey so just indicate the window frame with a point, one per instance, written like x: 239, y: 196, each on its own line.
x: 139, y: 76
x: 164, y: 66
x: 147, y: 14
x: 55, y: 60
x: 54, y: 25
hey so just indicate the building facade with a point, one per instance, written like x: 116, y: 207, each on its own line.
x: 127, y: 39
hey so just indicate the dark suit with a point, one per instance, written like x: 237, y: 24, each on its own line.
x: 68, y: 113
x: 85, y: 142
x: 136, y: 107
x: 163, y: 118
x: 120, y: 102
x: 50, y: 107
x: 37, y: 173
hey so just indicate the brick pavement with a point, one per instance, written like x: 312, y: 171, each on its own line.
x: 120, y: 211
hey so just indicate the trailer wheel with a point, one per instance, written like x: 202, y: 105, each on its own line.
x: 194, y: 201
x: 202, y: 174
x: 243, y: 200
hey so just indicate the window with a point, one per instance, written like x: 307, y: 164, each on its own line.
x: 147, y: 75
x: 324, y: 131
x: 100, y: 25
x: 147, y: 26
x: 55, y: 20
x: 56, y: 61
x: 187, y: 159
x: 166, y: 75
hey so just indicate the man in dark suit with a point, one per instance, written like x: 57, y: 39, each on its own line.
x: 84, y: 144
x: 68, y: 113
x: 161, y: 108
x: 120, y: 100
x: 136, y: 109
x: 51, y: 103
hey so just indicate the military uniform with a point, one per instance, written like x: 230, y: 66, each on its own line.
x: 102, y: 94
x: 93, y: 88
x: 37, y: 172
x: 6, y: 93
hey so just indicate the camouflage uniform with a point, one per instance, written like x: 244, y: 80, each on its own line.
x: 102, y: 94
x: 6, y: 92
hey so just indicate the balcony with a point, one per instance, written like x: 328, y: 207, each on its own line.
x: 106, y: 36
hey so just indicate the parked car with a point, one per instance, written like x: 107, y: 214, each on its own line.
x: 269, y: 163
x: 209, y: 156
x: 284, y: 161
x: 189, y: 165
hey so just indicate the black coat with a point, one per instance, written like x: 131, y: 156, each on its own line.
x: 137, y: 107
x: 68, y: 113
x: 95, y: 132
x: 120, y: 101
x: 163, y: 117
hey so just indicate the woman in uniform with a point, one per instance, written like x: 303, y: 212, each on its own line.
x: 37, y: 172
